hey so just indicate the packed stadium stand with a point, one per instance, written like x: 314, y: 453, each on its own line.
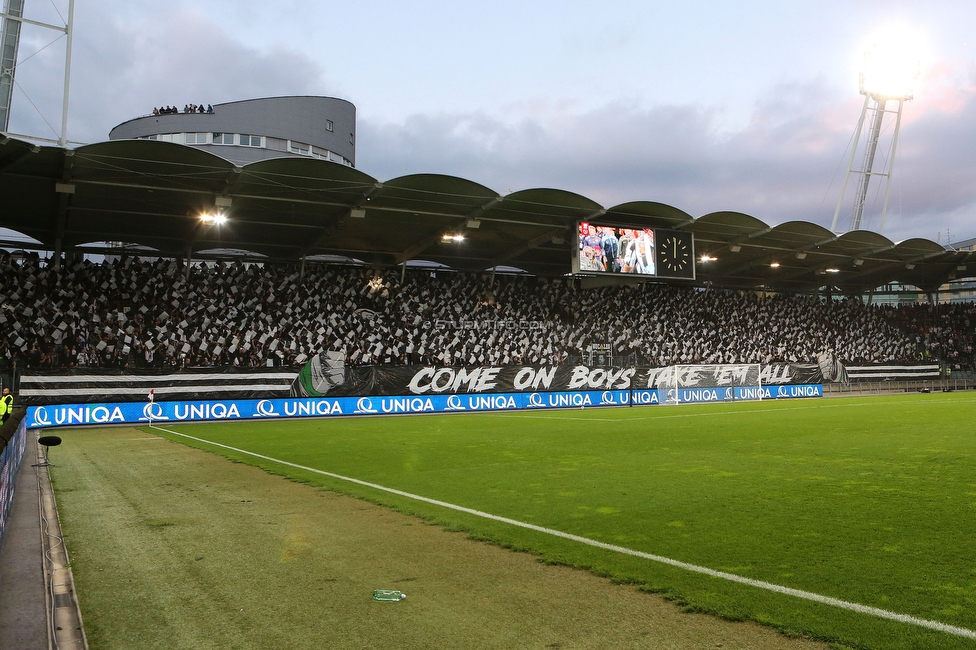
x: 137, y: 313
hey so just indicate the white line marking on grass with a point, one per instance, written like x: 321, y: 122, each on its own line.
x: 769, y: 586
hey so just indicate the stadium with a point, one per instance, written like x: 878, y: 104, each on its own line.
x: 258, y: 391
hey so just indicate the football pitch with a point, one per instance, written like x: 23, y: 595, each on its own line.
x: 848, y: 520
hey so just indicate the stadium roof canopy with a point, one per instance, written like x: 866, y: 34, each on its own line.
x: 152, y: 193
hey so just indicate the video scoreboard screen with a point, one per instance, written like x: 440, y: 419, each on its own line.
x: 616, y: 249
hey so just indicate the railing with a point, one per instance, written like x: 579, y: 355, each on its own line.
x: 888, y: 387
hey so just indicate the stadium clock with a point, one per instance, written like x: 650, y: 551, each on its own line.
x: 675, y: 254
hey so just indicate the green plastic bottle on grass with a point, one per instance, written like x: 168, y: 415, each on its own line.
x: 388, y: 594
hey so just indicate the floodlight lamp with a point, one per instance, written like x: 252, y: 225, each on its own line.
x: 708, y: 258
x: 213, y: 218
x: 832, y: 270
x: 774, y: 265
x: 890, y: 70
x: 449, y: 237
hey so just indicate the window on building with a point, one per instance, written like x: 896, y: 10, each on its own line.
x: 328, y: 126
x: 223, y: 138
x: 196, y: 138
x: 250, y: 140
x: 300, y: 148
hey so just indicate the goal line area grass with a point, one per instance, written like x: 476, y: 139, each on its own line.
x: 867, y: 500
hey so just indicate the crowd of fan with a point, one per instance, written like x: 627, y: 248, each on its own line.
x: 188, y: 108
x: 140, y: 313
x: 945, y: 333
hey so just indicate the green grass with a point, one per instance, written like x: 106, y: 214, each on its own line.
x: 865, y: 500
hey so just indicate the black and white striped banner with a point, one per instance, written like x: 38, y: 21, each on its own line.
x: 893, y: 372
x: 93, y: 386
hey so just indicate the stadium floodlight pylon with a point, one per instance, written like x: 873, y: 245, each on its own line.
x: 700, y: 383
x: 889, y: 75
x: 12, y: 20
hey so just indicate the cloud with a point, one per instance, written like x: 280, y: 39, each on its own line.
x: 616, y: 153
x: 173, y: 55
x: 787, y: 163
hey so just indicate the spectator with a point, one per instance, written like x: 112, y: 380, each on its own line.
x: 139, y: 313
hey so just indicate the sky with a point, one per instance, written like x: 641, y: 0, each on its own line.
x: 706, y: 106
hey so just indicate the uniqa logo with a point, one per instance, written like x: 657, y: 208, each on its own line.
x: 454, y: 404
x: 569, y: 399
x: 535, y: 401
x: 152, y: 411
x: 607, y: 398
x: 80, y: 414
x: 365, y: 405
x: 312, y: 407
x: 41, y: 418
x: 406, y: 405
x: 646, y: 397
x: 491, y: 402
x: 205, y: 411
x: 265, y: 409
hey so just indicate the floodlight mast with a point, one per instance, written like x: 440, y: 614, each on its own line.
x: 879, y: 86
x: 13, y: 18
x: 9, y: 47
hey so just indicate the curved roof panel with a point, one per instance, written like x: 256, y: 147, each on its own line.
x: 544, y: 205
x: 288, y: 177
x: 152, y: 193
x: 648, y: 214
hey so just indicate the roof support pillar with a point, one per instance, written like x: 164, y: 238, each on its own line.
x: 59, y: 230
x: 65, y: 189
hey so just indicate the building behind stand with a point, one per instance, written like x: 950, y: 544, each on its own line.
x: 250, y: 130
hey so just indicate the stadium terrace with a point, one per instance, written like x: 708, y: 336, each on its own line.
x: 152, y: 315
